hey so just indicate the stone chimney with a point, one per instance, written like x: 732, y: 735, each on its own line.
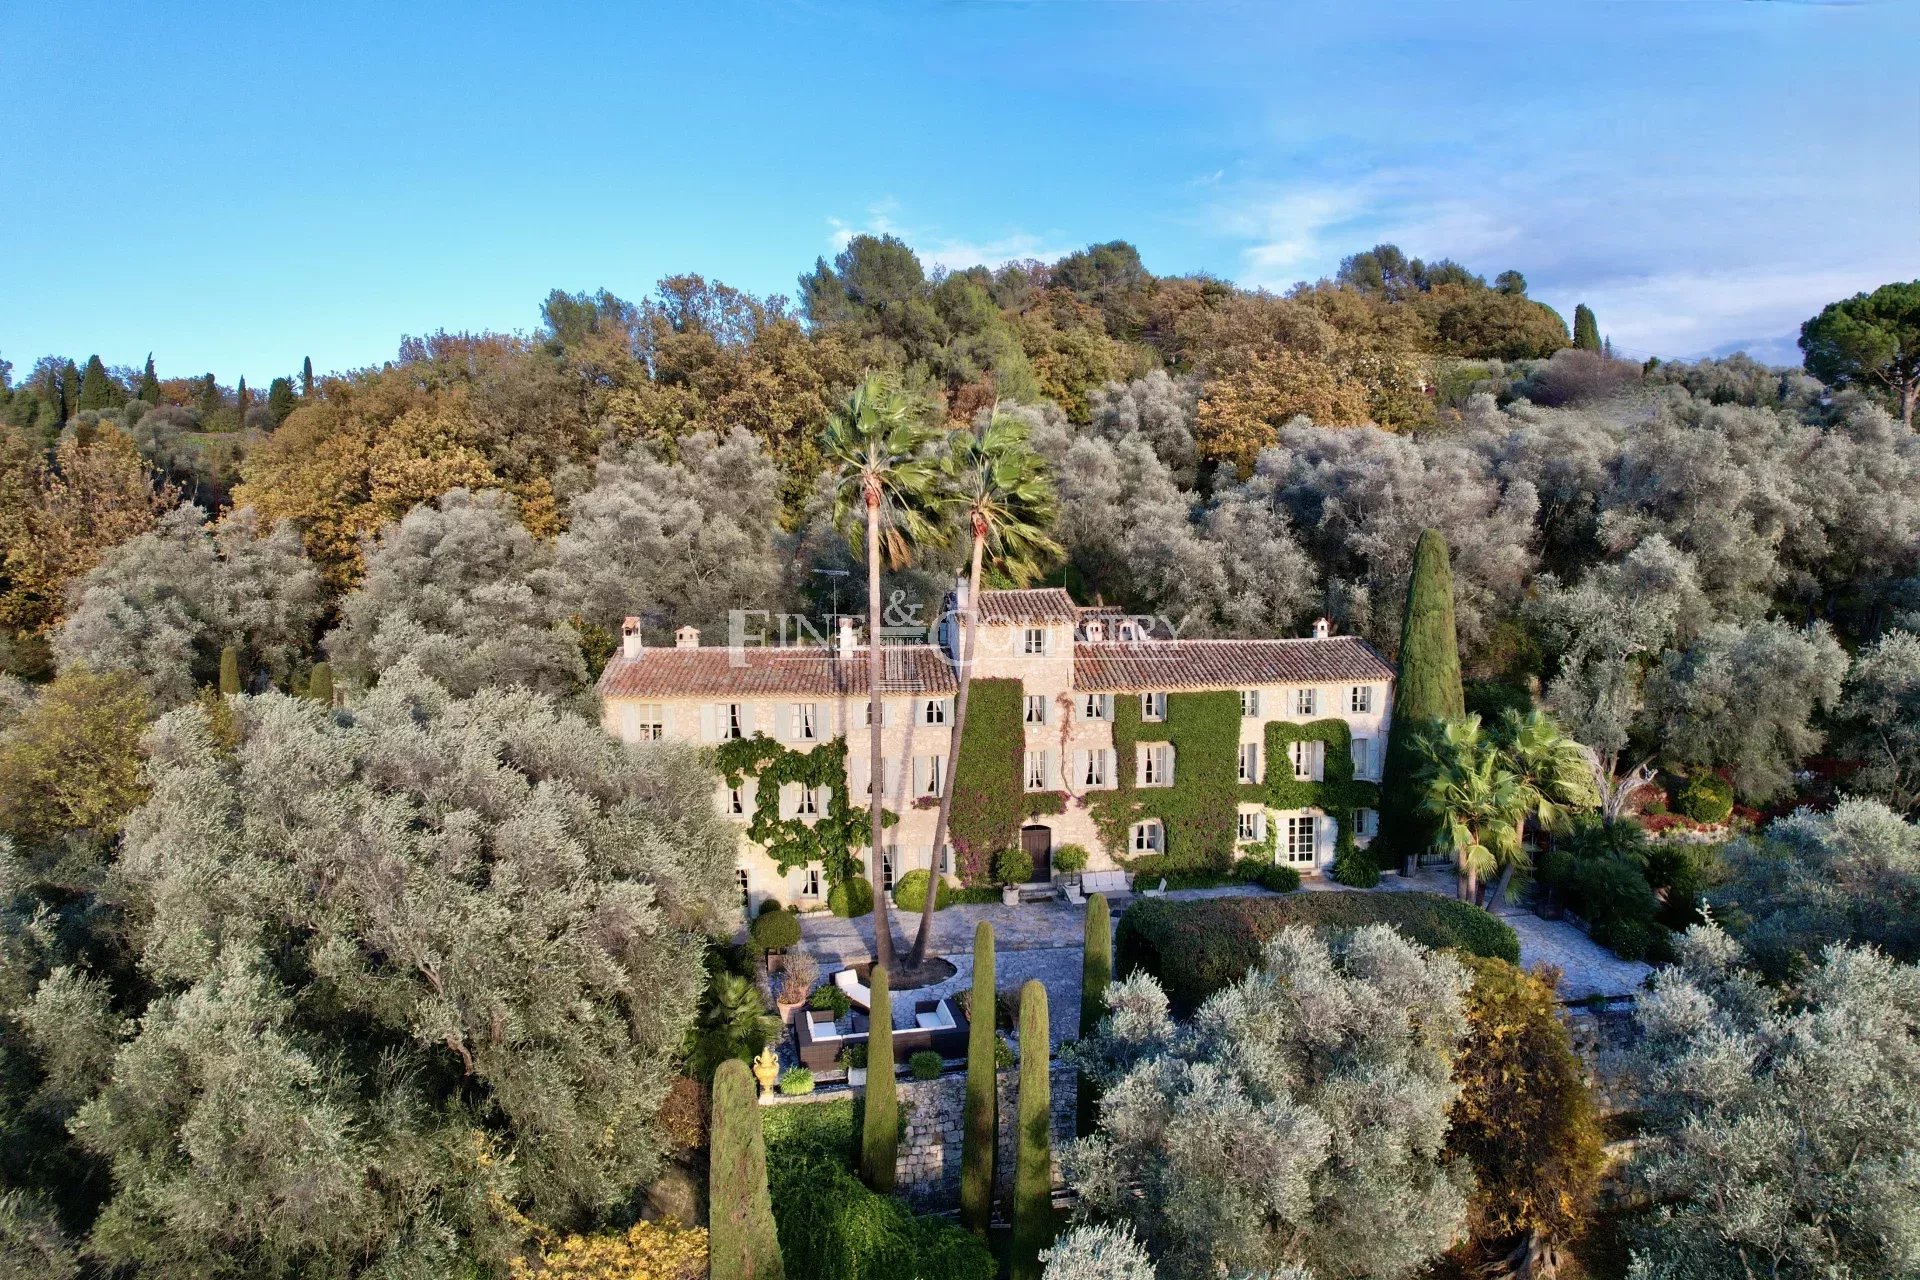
x: 848, y: 638
x: 687, y: 638
x: 1322, y: 628
x: 630, y: 641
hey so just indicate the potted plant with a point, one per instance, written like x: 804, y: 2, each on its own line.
x: 1011, y: 869
x: 853, y: 1059
x: 1069, y: 860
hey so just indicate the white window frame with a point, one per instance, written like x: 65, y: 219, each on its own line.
x: 1249, y: 762
x: 736, y: 726
x: 807, y: 804
x: 1155, y: 764
x: 1036, y: 712
x: 737, y: 800
x: 1153, y: 707
x: 1096, y: 773
x: 804, y: 729
x: 1303, y: 831
x: 1253, y: 826
x: 933, y: 711
x: 1361, y: 749
x: 1308, y: 759
x: 810, y: 882
x: 1097, y: 706
x: 1033, y: 642
x: 1036, y: 771
x: 1249, y: 704
x: 929, y: 779
x: 1147, y: 837
x: 1366, y: 823
x: 1306, y: 702
x: 1360, y: 700
x: 743, y: 882
x: 889, y: 867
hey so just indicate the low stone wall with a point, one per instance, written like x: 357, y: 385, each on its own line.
x: 929, y: 1170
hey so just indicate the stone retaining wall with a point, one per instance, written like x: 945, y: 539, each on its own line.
x: 929, y: 1169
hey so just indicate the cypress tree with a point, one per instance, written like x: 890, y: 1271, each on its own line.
x: 1586, y: 331
x: 280, y: 400
x: 69, y: 391
x: 1428, y: 691
x: 96, y: 388
x: 1033, y: 1143
x: 306, y: 378
x: 1096, y: 971
x: 980, y: 1123
x: 880, y: 1136
x: 210, y: 401
x: 742, y: 1241
x: 149, y: 382
x: 320, y: 683
x: 229, y: 671
x: 243, y: 397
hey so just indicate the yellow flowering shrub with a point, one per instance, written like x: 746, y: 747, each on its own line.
x: 646, y: 1251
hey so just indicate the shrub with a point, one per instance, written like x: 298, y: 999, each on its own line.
x: 1268, y: 875
x: 880, y: 1133
x: 798, y: 972
x: 645, y: 1251
x: 1096, y: 973
x: 926, y: 1065
x: 1707, y: 798
x: 852, y: 897
x: 1198, y: 948
x: 744, y: 1242
x: 796, y: 1081
x: 766, y: 906
x: 1619, y: 906
x: 854, y: 1057
x: 980, y: 1116
x: 1033, y: 1141
x: 1012, y: 866
x: 833, y: 998
x: 910, y: 893
x: 1070, y: 858
x: 833, y: 1228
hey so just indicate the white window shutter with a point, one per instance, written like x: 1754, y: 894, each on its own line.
x: 921, y: 768
x: 709, y: 732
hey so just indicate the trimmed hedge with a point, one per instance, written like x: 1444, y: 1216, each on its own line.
x: 910, y: 893
x: 1198, y: 948
x: 852, y: 897
x: 776, y: 931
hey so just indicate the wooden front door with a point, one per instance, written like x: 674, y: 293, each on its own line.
x: 1038, y: 843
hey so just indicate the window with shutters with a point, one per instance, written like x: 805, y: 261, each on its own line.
x: 1306, y: 702
x: 1366, y: 823
x: 1249, y: 704
x: 804, y: 730
x: 1301, y: 834
x: 1249, y: 762
x: 736, y: 720
x: 1034, y: 641
x: 1147, y: 837
x: 1153, y: 706
x: 1306, y: 760
x: 810, y: 883
x: 809, y: 803
x: 1094, y: 769
x: 1036, y: 708
x: 1360, y: 700
x: 1253, y: 826
x: 1098, y: 706
x: 737, y: 801
x: 645, y: 722
x: 933, y: 711
x: 1036, y: 770
x: 1155, y: 764
x: 1363, y: 759
x: 928, y: 772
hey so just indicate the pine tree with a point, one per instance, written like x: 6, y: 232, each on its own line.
x: 1096, y: 971
x: 880, y: 1136
x: 229, y: 671
x: 980, y: 1125
x: 96, y: 388
x: 1586, y: 331
x: 210, y: 401
x: 149, y: 382
x: 280, y: 400
x: 742, y: 1239
x: 1428, y: 691
x: 320, y: 683
x: 1033, y: 1143
x: 306, y: 378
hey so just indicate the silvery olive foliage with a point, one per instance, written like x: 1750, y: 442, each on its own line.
x: 163, y: 605
x: 1814, y: 879
x: 1780, y: 1123
x: 1298, y: 1119
x: 461, y: 588
x: 1109, y: 1252
x: 1881, y: 709
x: 677, y: 543
x: 415, y: 965
x: 1746, y: 697
x: 1160, y: 408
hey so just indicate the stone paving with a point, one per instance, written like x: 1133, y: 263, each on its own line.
x: 1042, y: 940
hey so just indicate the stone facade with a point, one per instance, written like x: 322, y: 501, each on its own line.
x: 930, y: 1155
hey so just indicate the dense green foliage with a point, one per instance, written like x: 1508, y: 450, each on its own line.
x: 1428, y: 691
x: 849, y: 898
x: 1586, y: 330
x: 910, y: 892
x: 1337, y: 794
x: 988, y: 800
x: 1706, y: 797
x: 776, y: 931
x: 1872, y: 340
x: 1198, y: 811
x: 880, y: 1129
x: 744, y: 1244
x: 980, y: 1117
x: 1197, y: 948
x: 1096, y: 973
x: 831, y: 839
x: 1033, y: 1141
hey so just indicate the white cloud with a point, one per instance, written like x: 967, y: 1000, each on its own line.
x: 935, y: 248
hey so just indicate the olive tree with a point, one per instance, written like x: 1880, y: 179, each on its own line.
x: 416, y: 968
x: 1781, y: 1124
x: 1881, y: 708
x: 1300, y: 1118
x: 1160, y: 408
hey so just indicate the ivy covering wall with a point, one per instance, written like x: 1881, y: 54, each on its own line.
x: 1198, y: 813
x: 1337, y: 794
x: 990, y: 799
x: 829, y: 839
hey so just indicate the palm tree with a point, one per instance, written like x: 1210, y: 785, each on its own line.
x: 887, y: 485
x: 1467, y: 789
x: 1555, y: 777
x: 1001, y: 485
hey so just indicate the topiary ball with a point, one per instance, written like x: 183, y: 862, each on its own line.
x: 926, y: 1065
x: 776, y: 931
x: 910, y: 892
x: 852, y: 897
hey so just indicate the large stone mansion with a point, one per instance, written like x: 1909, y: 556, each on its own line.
x: 1097, y: 734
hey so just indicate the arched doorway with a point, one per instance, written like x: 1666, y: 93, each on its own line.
x: 1037, y: 841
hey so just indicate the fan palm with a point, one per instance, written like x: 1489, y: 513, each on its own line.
x: 1001, y: 487
x: 888, y: 493
x: 1554, y: 774
x: 1475, y: 799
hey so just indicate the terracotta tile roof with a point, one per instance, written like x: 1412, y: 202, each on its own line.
x: 1033, y: 604
x: 1153, y: 665
x: 750, y: 672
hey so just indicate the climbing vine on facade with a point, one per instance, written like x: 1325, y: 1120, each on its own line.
x: 832, y: 837
x: 1198, y: 813
x: 989, y: 796
x: 1337, y: 794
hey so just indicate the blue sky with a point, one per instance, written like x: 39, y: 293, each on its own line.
x: 236, y: 187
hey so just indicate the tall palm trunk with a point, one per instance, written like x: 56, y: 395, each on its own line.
x: 876, y: 768
x: 968, y: 627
